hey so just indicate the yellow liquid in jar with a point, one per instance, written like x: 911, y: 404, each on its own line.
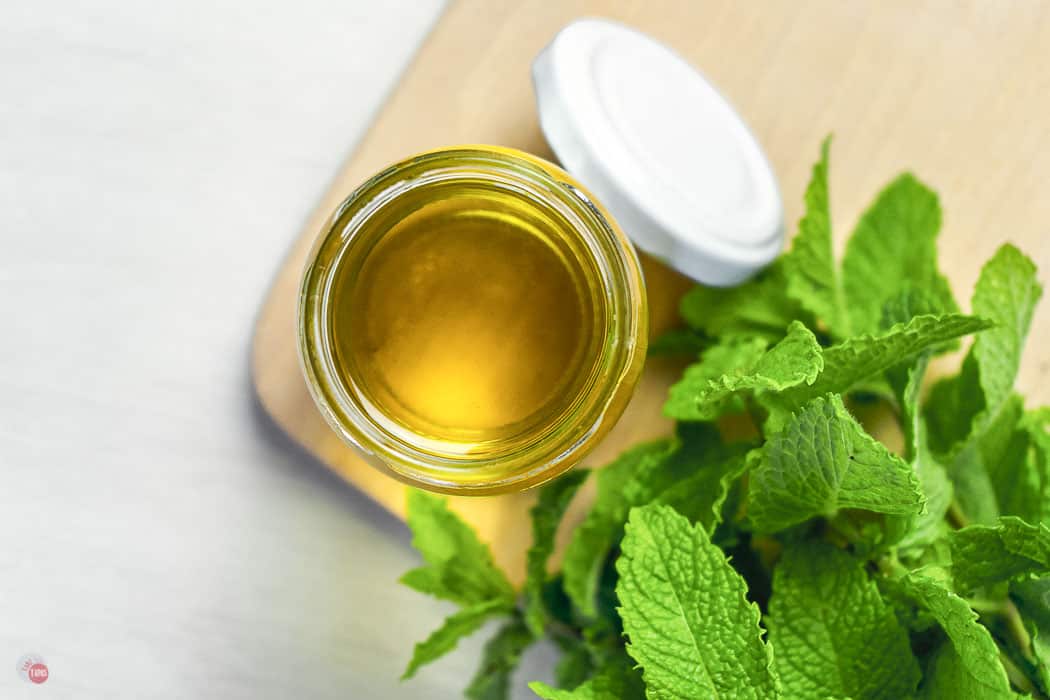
x: 470, y: 322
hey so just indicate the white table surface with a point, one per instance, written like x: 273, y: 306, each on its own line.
x: 161, y: 539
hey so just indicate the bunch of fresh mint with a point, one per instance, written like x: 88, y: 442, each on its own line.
x: 773, y: 548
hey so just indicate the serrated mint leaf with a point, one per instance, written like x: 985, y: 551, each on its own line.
x: 910, y: 302
x: 694, y: 471
x: 865, y: 356
x: 1007, y: 292
x: 759, y: 307
x: 962, y: 407
x: 1036, y: 470
x: 1005, y: 469
x: 832, y: 633
x: 1010, y: 455
x: 458, y: 625
x: 813, y: 278
x: 686, y: 615
x: 553, y: 499
x: 694, y: 478
x: 995, y: 471
x: 893, y: 246
x: 795, y: 360
x: 459, y: 567
x: 601, y: 529
x: 822, y: 461
x: 979, y: 671
x: 614, y: 681
x: 731, y: 355
x: 546, y: 692
x: 983, y: 555
x: 947, y: 678
x: 499, y: 659
x: 915, y: 301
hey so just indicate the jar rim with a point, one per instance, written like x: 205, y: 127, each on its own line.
x: 600, y: 402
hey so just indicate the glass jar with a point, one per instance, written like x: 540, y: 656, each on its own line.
x: 472, y: 320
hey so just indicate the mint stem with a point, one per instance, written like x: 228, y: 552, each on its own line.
x: 1018, y: 679
x: 1015, y: 626
x: 956, y: 517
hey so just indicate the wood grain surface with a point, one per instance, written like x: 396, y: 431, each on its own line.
x: 957, y: 92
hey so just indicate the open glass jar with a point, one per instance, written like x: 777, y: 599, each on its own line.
x: 472, y: 320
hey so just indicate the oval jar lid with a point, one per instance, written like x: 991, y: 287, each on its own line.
x: 660, y: 146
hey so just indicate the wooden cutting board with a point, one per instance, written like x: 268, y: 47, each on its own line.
x: 957, y: 92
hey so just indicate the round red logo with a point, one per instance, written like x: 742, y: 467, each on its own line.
x: 33, y: 669
x: 37, y: 673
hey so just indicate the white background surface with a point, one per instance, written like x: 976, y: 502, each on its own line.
x: 159, y: 537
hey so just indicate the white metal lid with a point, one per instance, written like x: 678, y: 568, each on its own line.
x: 661, y: 148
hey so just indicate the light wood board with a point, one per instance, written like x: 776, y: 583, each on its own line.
x: 957, y: 92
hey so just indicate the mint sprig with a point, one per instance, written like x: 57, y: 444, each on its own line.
x: 774, y: 547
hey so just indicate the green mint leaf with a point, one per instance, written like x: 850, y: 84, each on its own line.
x: 795, y: 360
x: 997, y: 472
x: 951, y: 406
x: 832, y: 632
x: 601, y: 529
x: 576, y: 664
x: 759, y: 307
x: 974, y: 490
x: 978, y: 671
x: 553, y: 499
x: 732, y: 355
x: 459, y: 567
x: 1012, y: 456
x: 1007, y: 292
x: 1037, y: 470
x: 862, y: 357
x: 678, y: 342
x: 458, y: 625
x: 685, y: 612
x: 893, y: 246
x: 700, y: 497
x: 822, y: 461
x: 694, y: 478
x: 696, y: 447
x: 499, y: 659
x: 664, y: 471
x: 555, y: 602
x: 546, y: 692
x: 911, y: 302
x: 947, y: 678
x: 963, y: 406
x: 614, y: 681
x: 812, y: 275
x: 983, y: 555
